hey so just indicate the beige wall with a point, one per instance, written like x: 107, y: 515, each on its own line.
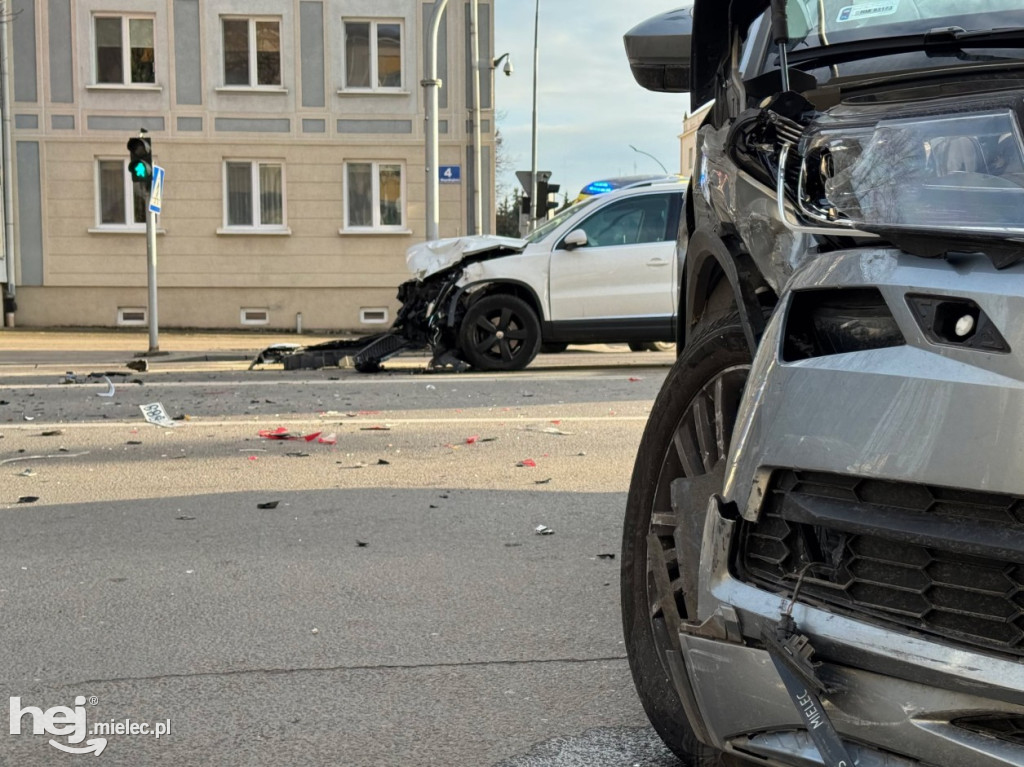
x: 688, y: 140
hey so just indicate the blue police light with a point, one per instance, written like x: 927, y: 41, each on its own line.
x: 598, y: 187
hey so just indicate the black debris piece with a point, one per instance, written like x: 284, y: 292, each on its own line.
x: 141, y: 365
x: 184, y: 518
x: 362, y: 544
x: 267, y: 505
x: 51, y: 433
x: 382, y: 462
x: 606, y: 556
x: 28, y: 499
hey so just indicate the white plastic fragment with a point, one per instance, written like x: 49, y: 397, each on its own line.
x: 543, y: 530
x: 110, y: 389
x: 156, y: 415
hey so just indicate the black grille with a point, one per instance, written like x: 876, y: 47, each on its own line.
x: 1002, y: 726
x: 948, y: 563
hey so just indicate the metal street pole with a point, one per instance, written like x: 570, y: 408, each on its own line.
x: 640, y: 151
x: 478, y: 208
x: 154, y: 338
x: 533, y: 165
x: 430, y: 86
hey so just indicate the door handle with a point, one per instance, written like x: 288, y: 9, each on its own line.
x: 658, y: 262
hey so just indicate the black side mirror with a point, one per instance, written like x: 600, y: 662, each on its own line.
x: 659, y: 51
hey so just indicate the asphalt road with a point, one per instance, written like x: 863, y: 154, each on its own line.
x: 395, y: 606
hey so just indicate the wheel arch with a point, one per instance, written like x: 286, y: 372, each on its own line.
x: 718, y: 273
x: 489, y: 287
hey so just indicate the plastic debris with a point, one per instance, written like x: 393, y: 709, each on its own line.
x: 634, y: 379
x: 27, y: 473
x: 139, y: 366
x: 472, y: 440
x: 280, y: 433
x: 542, y: 481
x: 375, y: 428
x: 28, y: 499
x: 184, y: 518
x: 134, y: 442
x: 606, y: 556
x: 63, y: 454
x: 51, y: 433
x: 311, y: 437
x: 382, y: 462
x: 70, y: 378
x: 543, y: 530
x: 297, y: 455
x: 528, y: 463
x: 315, y: 631
x: 156, y: 415
x: 330, y: 439
x: 110, y: 389
x: 267, y: 505
x: 362, y: 544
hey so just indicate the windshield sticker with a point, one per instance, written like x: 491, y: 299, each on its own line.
x: 863, y: 11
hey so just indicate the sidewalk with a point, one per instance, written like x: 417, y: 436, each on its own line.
x: 58, y: 346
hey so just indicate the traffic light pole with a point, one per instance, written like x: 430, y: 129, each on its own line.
x: 154, y: 338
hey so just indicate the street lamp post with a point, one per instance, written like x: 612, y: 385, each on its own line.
x: 533, y: 164
x: 430, y: 85
x: 640, y: 151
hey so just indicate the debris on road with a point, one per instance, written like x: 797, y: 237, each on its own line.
x: 27, y: 473
x: 297, y: 455
x: 362, y: 544
x: 139, y: 365
x: 382, y: 462
x: 62, y: 454
x: 28, y: 499
x: 156, y: 415
x: 280, y: 433
x: 543, y: 530
x: 267, y: 505
x: 528, y: 463
x: 379, y: 427
x: 110, y: 388
x: 542, y: 481
x: 330, y: 439
x: 184, y: 518
x: 51, y: 433
x: 606, y: 556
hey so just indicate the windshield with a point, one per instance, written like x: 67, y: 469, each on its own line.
x: 558, y: 219
x: 826, y: 22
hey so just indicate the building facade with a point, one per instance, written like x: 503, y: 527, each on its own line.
x: 292, y: 136
x: 688, y: 139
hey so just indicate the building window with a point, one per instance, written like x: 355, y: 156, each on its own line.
x: 254, y: 195
x: 373, y: 55
x: 119, y: 205
x: 124, y: 50
x: 375, y: 196
x: 252, y: 52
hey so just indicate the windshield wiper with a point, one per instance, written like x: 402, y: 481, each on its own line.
x: 936, y: 42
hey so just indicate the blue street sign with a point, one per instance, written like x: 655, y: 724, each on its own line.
x: 156, y: 193
x: 450, y: 174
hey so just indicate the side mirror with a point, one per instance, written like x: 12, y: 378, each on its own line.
x: 659, y: 51
x: 577, y: 238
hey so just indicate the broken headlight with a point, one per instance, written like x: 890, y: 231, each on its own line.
x: 960, y: 174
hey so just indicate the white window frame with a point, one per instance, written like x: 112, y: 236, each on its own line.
x: 257, y: 226
x: 253, y: 67
x: 129, y: 225
x: 126, y: 51
x: 374, y: 56
x: 376, y: 226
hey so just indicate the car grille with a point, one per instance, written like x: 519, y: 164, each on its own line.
x: 1002, y: 726
x: 944, y: 562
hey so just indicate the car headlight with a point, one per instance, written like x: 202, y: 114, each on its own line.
x: 957, y: 174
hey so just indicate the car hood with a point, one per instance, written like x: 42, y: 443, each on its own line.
x: 427, y: 258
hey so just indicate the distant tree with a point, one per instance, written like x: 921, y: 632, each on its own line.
x: 507, y: 216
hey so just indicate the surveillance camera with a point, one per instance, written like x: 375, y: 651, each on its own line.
x: 508, y: 68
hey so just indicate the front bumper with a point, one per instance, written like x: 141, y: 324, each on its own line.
x: 908, y: 691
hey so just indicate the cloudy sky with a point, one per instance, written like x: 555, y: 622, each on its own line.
x: 589, y: 108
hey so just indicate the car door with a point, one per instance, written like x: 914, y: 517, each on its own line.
x: 627, y: 269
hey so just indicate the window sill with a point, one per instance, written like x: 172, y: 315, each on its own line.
x: 249, y: 230
x: 374, y: 232
x: 122, y: 229
x: 249, y: 90
x: 134, y: 87
x: 373, y: 92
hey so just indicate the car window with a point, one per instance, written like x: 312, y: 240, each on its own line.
x: 630, y: 222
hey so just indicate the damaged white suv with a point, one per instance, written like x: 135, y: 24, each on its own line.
x: 602, y: 271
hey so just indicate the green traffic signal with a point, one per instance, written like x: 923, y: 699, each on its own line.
x: 140, y: 165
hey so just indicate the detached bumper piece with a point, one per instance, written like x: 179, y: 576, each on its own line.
x: 942, y: 562
x: 367, y: 353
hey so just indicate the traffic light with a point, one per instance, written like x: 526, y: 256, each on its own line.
x: 544, y: 190
x: 524, y: 204
x: 140, y: 163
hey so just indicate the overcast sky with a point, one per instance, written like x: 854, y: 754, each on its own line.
x: 589, y: 108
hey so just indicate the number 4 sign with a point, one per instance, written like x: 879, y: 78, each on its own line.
x: 450, y: 174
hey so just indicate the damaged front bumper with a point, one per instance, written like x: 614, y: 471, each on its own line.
x: 876, y: 497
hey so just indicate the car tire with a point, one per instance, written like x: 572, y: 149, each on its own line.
x: 553, y: 348
x: 499, y: 332
x: 651, y: 346
x: 687, y: 435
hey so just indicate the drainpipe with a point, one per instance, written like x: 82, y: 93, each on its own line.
x: 430, y: 86
x: 478, y: 208
x: 7, y: 171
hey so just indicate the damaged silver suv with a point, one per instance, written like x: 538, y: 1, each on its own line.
x: 823, y: 550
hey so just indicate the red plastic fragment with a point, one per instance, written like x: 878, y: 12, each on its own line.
x: 527, y: 463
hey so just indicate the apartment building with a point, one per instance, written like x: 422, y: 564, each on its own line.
x: 292, y: 136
